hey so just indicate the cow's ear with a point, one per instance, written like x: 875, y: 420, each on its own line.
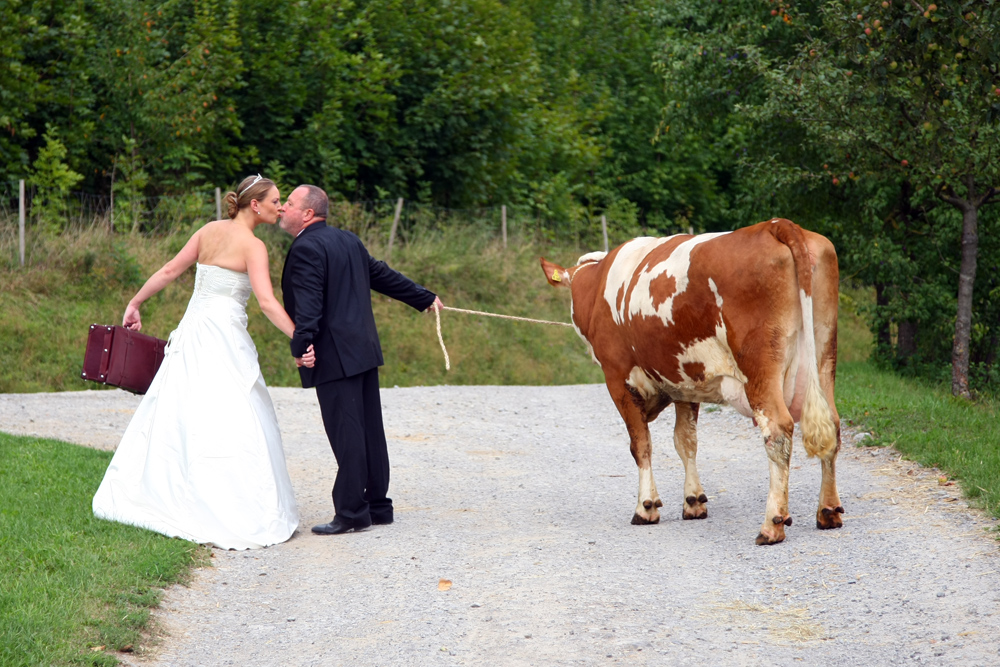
x: 555, y: 274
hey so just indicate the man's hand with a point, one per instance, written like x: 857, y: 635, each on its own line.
x: 308, y: 359
x: 132, y: 320
x: 435, y: 307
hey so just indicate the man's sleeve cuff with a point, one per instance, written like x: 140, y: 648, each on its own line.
x: 299, y: 346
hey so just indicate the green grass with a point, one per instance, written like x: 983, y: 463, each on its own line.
x: 81, y: 278
x: 470, y: 270
x: 927, y: 425
x: 921, y: 420
x: 70, y: 582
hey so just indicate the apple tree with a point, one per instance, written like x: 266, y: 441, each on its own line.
x: 903, y: 95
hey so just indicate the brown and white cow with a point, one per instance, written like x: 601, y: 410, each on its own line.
x: 747, y: 318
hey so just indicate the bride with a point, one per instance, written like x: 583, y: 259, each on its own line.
x: 202, y: 457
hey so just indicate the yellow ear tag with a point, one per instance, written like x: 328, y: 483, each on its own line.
x: 556, y: 277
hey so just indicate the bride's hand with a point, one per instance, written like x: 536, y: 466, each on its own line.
x: 132, y: 320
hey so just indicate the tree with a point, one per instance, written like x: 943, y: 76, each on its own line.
x: 43, y: 81
x: 910, y: 95
x: 162, y: 75
x: 17, y: 79
x: 314, y: 97
x: 53, y: 180
x: 710, y: 77
x: 465, y: 97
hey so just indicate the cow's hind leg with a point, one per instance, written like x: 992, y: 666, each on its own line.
x: 686, y: 444
x: 829, y: 510
x: 647, y: 507
x: 776, y: 425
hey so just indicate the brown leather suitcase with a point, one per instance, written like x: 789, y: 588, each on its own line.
x: 122, y: 357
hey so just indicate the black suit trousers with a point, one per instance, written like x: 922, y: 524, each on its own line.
x: 352, y: 416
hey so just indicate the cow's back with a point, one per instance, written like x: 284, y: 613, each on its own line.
x: 685, y: 315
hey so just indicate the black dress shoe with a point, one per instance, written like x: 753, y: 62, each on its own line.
x: 337, y: 527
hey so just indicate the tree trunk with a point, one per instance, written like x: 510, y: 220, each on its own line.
x: 906, y: 341
x: 963, y: 318
x: 883, y: 338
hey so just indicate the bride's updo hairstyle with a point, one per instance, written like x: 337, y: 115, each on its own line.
x: 250, y: 188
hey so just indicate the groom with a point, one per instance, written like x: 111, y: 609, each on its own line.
x: 327, y: 283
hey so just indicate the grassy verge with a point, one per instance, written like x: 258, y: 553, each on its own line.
x: 923, y: 421
x: 85, y: 277
x: 70, y: 583
x: 927, y: 425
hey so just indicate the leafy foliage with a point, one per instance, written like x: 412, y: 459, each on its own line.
x: 53, y: 178
x: 874, y: 122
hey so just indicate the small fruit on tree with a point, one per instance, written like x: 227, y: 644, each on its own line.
x: 905, y: 163
x: 836, y: 181
x: 868, y: 31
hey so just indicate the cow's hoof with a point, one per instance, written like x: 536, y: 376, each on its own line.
x: 772, y: 531
x: 694, y: 508
x: 767, y: 540
x: 638, y: 520
x: 827, y: 518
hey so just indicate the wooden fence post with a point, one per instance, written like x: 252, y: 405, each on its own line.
x: 392, y: 232
x: 218, y: 204
x: 503, y: 223
x: 604, y: 231
x: 20, y: 219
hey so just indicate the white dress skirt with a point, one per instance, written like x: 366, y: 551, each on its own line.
x: 202, y: 457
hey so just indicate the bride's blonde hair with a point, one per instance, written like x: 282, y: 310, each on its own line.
x: 250, y: 188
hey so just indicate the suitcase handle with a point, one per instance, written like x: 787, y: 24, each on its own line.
x: 106, y: 359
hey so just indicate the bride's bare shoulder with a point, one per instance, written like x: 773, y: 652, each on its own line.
x: 216, y: 226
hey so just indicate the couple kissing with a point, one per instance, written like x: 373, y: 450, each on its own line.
x: 202, y: 457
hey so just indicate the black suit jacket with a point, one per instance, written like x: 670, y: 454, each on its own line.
x: 326, y: 285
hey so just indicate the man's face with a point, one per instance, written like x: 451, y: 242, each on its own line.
x: 292, y: 213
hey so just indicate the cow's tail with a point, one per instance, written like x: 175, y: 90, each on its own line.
x: 819, y: 434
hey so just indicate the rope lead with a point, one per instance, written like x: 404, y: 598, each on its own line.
x: 437, y: 317
x: 447, y: 361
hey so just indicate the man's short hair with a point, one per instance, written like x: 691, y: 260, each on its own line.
x: 317, y: 200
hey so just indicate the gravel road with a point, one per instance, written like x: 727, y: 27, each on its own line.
x: 521, y: 497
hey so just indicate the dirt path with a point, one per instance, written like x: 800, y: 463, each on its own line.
x: 521, y: 497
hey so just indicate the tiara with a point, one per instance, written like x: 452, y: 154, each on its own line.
x: 259, y: 178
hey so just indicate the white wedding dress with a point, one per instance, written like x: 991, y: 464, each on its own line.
x: 202, y: 457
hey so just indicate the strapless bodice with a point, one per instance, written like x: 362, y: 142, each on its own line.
x: 214, y: 281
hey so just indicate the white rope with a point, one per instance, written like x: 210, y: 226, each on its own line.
x: 447, y: 361
x: 508, y: 317
x: 437, y: 316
